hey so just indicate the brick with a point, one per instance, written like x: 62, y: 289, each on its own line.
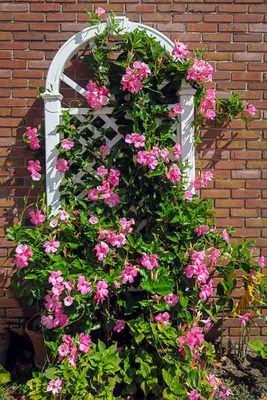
x: 233, y: 8
x: 245, y: 193
x: 229, y: 203
x: 202, y: 27
x: 216, y: 37
x: 237, y: 212
x: 247, y: 57
x: 258, y: 28
x: 248, y: 18
x: 13, y: 7
x: 233, y: 27
x: 256, y: 222
x: 50, y: 7
x: 251, y: 37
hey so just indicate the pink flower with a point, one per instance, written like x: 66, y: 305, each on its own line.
x: 251, y: 109
x: 177, y: 151
x: 141, y: 69
x: 193, y: 338
x: 47, y: 321
x: 96, y: 96
x: 55, y: 277
x: 180, y: 51
x: 67, y: 144
x: 102, y: 171
x: 23, y: 253
x: 147, y: 158
x: 210, y: 114
x: 136, y: 139
x: 193, y: 395
x: 200, y: 71
x: 202, y: 230
x: 51, y: 246
x: 119, y: 325
x: 102, y: 250
x: 101, y: 291
x: 113, y: 200
x: 83, y: 286
x: 72, y: 358
x: 63, y: 216
x: 132, y: 79
x: 99, y: 11
x: 53, y: 223
x: 261, y: 262
x: 128, y: 274
x: 37, y: 218
x: 34, y: 168
x: 224, y: 392
x: 126, y: 225
x: 104, y: 150
x: 172, y: 299
x: 62, y: 165
x: 225, y: 235
x: 63, y: 350
x: 188, y: 195
x: 214, y: 255
x: 206, y: 290
x: 32, y: 136
x: 162, y: 318
x: 117, y: 240
x: 176, y: 110
x: 114, y: 177
x: 174, y: 173
x: 85, y: 342
x: 93, y: 194
x: 93, y: 220
x: 244, y: 319
x: 149, y: 262
x: 54, y: 386
x: 68, y: 301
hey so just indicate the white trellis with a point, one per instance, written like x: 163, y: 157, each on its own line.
x: 53, y: 109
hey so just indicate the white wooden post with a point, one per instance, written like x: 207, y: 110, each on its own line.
x: 52, y: 104
x: 186, y: 134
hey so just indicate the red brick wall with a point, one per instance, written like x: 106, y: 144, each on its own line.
x: 235, y: 34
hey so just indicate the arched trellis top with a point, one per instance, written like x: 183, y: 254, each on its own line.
x: 53, y: 110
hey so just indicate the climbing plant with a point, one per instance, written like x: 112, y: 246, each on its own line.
x: 123, y: 275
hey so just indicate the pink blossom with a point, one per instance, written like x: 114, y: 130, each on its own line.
x: 32, y: 136
x: 126, y: 225
x: 63, y: 216
x: 93, y: 194
x: 210, y: 114
x: 96, y: 96
x: 206, y: 290
x: 23, y: 253
x: 225, y: 235
x: 104, y: 150
x: 201, y: 273
x: 172, y: 299
x: 67, y: 144
x: 128, y: 274
x: 147, y: 158
x: 102, y: 171
x: 113, y: 200
x: 119, y: 325
x: 63, y: 350
x: 52, y: 303
x: 174, y: 173
x: 214, y: 381
x: 101, y: 291
x: 55, y: 277
x: 177, y: 109
x: 224, y: 392
x: 117, y: 240
x: 68, y: 301
x: 37, y: 218
x: 99, y: 11
x: 47, y: 321
x: 141, y: 69
x: 180, y: 51
x: 54, y: 386
x: 251, y: 109
x: 102, y: 250
x: 93, y: 220
x: 200, y: 71
x: 117, y: 285
x: 176, y: 151
x: 209, y: 100
x: 136, y: 139
x: 162, y: 318
x: 214, y: 255
x: 193, y: 395
x: 53, y: 223
x: 188, y: 195
x: 51, y: 246
x: 133, y: 77
x: 149, y: 262
x: 244, y: 319
x: 83, y: 286
x: 61, y: 319
x: 261, y: 262
x: 34, y: 168
x: 164, y: 154
x: 72, y: 358
x: 62, y: 165
x: 201, y: 230
x: 84, y: 342
x: 193, y: 338
x: 114, y: 177
x: 198, y: 256
x: 68, y: 285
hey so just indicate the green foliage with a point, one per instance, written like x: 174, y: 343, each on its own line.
x: 259, y: 347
